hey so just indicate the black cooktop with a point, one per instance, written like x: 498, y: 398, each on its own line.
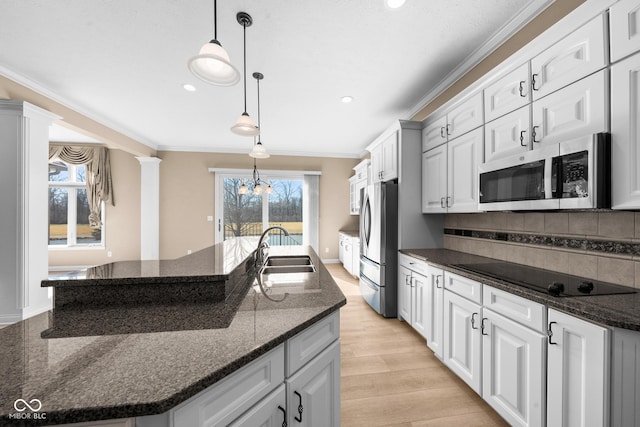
x: 550, y: 282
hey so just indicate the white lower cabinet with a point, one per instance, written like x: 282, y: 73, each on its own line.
x: 577, y: 372
x: 435, y: 307
x: 313, y: 393
x: 462, y: 343
x: 513, y: 367
x: 413, y: 293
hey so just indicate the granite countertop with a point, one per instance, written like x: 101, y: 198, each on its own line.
x: 213, y: 263
x: 621, y: 311
x: 351, y: 233
x: 92, y: 373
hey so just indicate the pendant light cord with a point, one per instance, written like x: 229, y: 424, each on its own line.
x: 215, y: 19
x: 244, y: 32
x: 258, y: 80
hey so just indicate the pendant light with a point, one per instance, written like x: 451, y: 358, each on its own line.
x: 212, y: 64
x: 259, y: 185
x: 258, y: 152
x: 245, y: 126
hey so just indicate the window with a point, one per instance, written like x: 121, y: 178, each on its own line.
x: 292, y: 205
x: 69, y: 208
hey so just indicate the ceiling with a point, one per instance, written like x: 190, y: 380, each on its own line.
x: 124, y: 62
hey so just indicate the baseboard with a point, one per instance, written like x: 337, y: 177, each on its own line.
x: 34, y: 311
x: 8, y: 319
x: 331, y: 261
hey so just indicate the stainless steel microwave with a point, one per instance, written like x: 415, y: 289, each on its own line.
x: 574, y: 174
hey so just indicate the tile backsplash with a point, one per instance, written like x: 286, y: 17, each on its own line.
x: 598, y: 245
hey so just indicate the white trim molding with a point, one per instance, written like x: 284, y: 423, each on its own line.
x: 269, y: 172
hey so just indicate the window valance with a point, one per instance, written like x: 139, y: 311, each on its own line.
x: 98, y: 166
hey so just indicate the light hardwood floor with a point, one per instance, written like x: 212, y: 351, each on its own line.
x: 391, y: 378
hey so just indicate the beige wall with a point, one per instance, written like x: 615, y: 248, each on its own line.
x: 122, y: 221
x: 558, y: 10
x: 187, y: 197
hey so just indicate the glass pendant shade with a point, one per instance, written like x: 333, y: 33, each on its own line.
x: 245, y: 126
x: 213, y: 66
x: 257, y: 189
x: 243, y: 189
x: 259, y: 152
x: 269, y: 189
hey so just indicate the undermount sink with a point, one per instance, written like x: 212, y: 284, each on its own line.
x: 278, y: 261
x: 280, y: 269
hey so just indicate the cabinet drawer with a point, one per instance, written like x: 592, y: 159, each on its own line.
x: 310, y: 342
x: 521, y: 310
x: 412, y: 263
x: 227, y: 400
x: 467, y: 288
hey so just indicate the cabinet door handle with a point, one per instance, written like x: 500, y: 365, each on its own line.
x: 284, y: 416
x: 534, y: 134
x: 442, y: 202
x: 300, y: 408
x: 473, y: 321
x: 522, y: 94
x: 448, y: 129
x: 533, y: 82
x: 442, y: 132
x: 482, y: 325
x: 438, y: 281
x: 522, y: 143
x: 550, y: 334
x: 448, y: 199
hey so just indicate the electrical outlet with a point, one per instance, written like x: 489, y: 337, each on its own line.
x: 188, y: 251
x: 109, y: 254
x: 210, y: 218
x: 326, y: 250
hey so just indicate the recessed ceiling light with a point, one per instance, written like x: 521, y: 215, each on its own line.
x: 394, y: 4
x: 346, y: 99
x: 189, y: 88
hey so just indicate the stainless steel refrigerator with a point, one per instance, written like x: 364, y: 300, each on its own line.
x: 379, y: 247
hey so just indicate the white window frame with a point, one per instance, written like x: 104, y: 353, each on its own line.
x: 72, y: 187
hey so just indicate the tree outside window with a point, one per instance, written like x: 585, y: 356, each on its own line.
x: 69, y: 208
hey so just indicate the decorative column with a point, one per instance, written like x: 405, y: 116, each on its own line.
x: 149, y: 208
x: 24, y: 259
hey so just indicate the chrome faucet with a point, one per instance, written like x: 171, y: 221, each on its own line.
x: 262, y: 245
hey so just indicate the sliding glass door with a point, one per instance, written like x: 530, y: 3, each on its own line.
x: 240, y: 215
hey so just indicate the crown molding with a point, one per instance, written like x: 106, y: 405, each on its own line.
x: 227, y: 150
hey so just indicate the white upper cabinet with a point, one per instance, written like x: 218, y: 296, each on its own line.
x: 581, y: 53
x: 625, y: 133
x: 434, y: 180
x: 577, y: 110
x: 434, y: 132
x: 464, y: 154
x: 507, y: 135
x: 384, y: 160
x: 624, y: 17
x: 465, y: 117
x: 507, y: 94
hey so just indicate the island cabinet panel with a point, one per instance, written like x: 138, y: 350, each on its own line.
x: 313, y: 393
x: 270, y: 412
x: 310, y: 342
x: 225, y: 401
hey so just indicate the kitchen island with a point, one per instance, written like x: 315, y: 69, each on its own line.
x: 98, y: 363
